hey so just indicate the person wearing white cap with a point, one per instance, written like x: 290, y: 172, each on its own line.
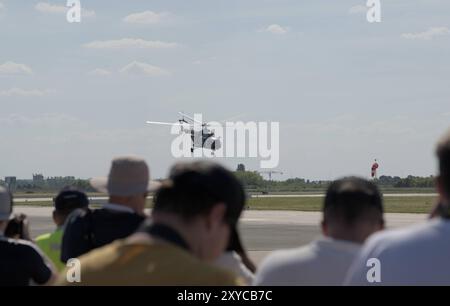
x: 21, y: 263
x: 127, y: 185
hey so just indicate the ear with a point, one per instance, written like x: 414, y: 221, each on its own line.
x: 216, y: 215
x: 54, y: 215
x: 382, y: 224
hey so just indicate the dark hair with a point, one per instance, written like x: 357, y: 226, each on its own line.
x: 443, y: 154
x: 70, y: 199
x: 234, y: 243
x: 352, y: 199
x: 194, y: 188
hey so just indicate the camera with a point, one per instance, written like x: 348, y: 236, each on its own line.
x: 17, y: 227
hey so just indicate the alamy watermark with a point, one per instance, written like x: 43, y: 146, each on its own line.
x: 374, y: 11
x: 373, y: 275
x: 73, y: 274
x: 74, y: 12
x: 230, y: 139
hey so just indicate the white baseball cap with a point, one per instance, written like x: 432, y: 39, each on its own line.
x: 128, y: 176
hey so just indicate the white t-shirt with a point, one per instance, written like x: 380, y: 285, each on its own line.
x: 417, y: 255
x: 233, y: 262
x: 322, y: 262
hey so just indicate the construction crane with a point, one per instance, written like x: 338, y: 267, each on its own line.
x: 270, y: 172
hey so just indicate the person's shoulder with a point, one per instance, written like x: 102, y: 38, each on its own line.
x: 399, y: 250
x: 392, y: 238
x: 392, y: 243
x: 184, y: 268
x: 42, y: 238
x: 77, y: 215
x: 215, y: 276
x: 21, y: 245
x: 232, y: 261
x: 288, y: 257
x: 198, y: 271
x: 103, y: 255
x: 109, y: 214
x: 283, y: 261
x: 94, y: 262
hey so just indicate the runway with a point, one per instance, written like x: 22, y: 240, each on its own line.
x: 316, y: 195
x: 262, y: 231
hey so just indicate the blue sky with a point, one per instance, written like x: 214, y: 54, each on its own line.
x: 345, y: 91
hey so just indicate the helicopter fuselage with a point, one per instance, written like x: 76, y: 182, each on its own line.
x: 205, y: 139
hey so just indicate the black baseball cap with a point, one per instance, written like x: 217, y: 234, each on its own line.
x: 71, y: 199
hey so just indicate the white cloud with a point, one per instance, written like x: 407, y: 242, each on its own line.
x: 276, y: 29
x: 48, y: 8
x: 100, y: 72
x: 126, y: 43
x: 148, y: 17
x: 143, y: 69
x: 358, y: 9
x: 428, y: 34
x: 1, y: 6
x: 53, y: 120
x: 11, y: 68
x: 24, y: 92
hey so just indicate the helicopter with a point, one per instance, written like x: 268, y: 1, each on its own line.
x: 203, y: 138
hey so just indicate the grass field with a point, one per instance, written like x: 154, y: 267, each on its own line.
x: 411, y: 204
x: 323, y: 190
x: 391, y: 204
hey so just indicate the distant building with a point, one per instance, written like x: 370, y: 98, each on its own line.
x: 37, y: 178
x: 11, y: 182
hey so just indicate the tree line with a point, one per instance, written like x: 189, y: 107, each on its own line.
x: 252, y: 181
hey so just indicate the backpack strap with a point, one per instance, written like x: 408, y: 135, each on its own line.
x: 89, y: 234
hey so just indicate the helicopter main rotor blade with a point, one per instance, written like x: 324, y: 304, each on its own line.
x: 168, y: 123
x: 190, y: 118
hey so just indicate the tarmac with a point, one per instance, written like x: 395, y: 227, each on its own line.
x: 262, y: 231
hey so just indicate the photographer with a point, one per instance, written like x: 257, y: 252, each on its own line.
x: 66, y: 202
x: 20, y: 261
